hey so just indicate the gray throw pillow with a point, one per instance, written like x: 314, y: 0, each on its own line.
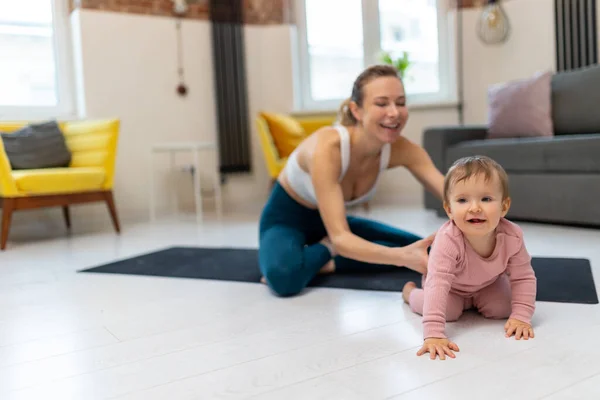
x: 37, y: 146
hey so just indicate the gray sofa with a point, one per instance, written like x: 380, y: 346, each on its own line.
x: 552, y: 179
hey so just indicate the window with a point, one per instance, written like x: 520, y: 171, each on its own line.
x: 337, y: 39
x: 33, y: 59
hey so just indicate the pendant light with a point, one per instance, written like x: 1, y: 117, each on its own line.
x: 493, y: 26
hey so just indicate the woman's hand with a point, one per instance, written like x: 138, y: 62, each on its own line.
x: 441, y: 347
x: 414, y: 256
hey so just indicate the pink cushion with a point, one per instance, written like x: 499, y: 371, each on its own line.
x: 521, y: 108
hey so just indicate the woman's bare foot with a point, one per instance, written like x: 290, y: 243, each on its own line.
x: 328, y: 268
x: 407, y: 289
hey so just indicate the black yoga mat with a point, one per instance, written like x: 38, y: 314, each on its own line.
x: 562, y: 280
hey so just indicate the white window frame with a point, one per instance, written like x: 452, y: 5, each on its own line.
x: 371, y: 42
x: 65, y: 107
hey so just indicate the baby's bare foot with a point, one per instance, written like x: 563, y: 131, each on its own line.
x: 407, y: 289
x: 263, y: 280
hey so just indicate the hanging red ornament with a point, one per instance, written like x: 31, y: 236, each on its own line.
x: 182, y: 89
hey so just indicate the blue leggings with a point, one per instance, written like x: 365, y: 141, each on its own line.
x: 290, y: 254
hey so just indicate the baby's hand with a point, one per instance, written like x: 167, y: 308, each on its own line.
x: 438, y: 346
x: 519, y: 328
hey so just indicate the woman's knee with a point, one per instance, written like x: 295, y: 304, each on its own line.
x: 283, y: 281
x: 281, y: 269
x: 281, y: 259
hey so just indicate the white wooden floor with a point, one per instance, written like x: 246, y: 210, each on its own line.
x: 65, y: 335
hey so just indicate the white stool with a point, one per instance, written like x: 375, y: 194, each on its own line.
x: 195, y: 148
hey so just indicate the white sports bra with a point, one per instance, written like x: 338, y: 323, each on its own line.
x: 301, y: 181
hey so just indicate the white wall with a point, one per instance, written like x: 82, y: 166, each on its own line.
x: 270, y: 87
x: 130, y: 71
x: 529, y: 49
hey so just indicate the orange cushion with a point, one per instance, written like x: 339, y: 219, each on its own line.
x: 287, y: 133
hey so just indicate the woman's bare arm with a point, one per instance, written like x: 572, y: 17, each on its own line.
x: 413, y: 157
x: 325, y: 171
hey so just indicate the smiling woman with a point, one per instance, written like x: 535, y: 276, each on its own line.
x: 304, y: 228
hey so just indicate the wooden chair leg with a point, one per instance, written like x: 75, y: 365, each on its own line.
x: 110, y: 202
x: 67, y: 216
x: 8, y: 206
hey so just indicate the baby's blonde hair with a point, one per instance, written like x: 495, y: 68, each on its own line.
x: 466, y: 167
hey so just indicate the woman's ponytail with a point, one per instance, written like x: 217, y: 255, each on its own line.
x: 345, y: 114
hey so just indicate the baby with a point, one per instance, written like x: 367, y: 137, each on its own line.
x: 477, y: 260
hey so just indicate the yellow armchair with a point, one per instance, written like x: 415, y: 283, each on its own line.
x: 89, y: 177
x: 279, y: 134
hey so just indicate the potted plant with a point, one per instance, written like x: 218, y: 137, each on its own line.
x: 401, y: 63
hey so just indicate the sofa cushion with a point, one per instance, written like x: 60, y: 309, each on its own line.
x: 521, y: 108
x: 575, y: 99
x: 59, y: 180
x: 37, y: 146
x: 287, y: 132
x: 572, y: 153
